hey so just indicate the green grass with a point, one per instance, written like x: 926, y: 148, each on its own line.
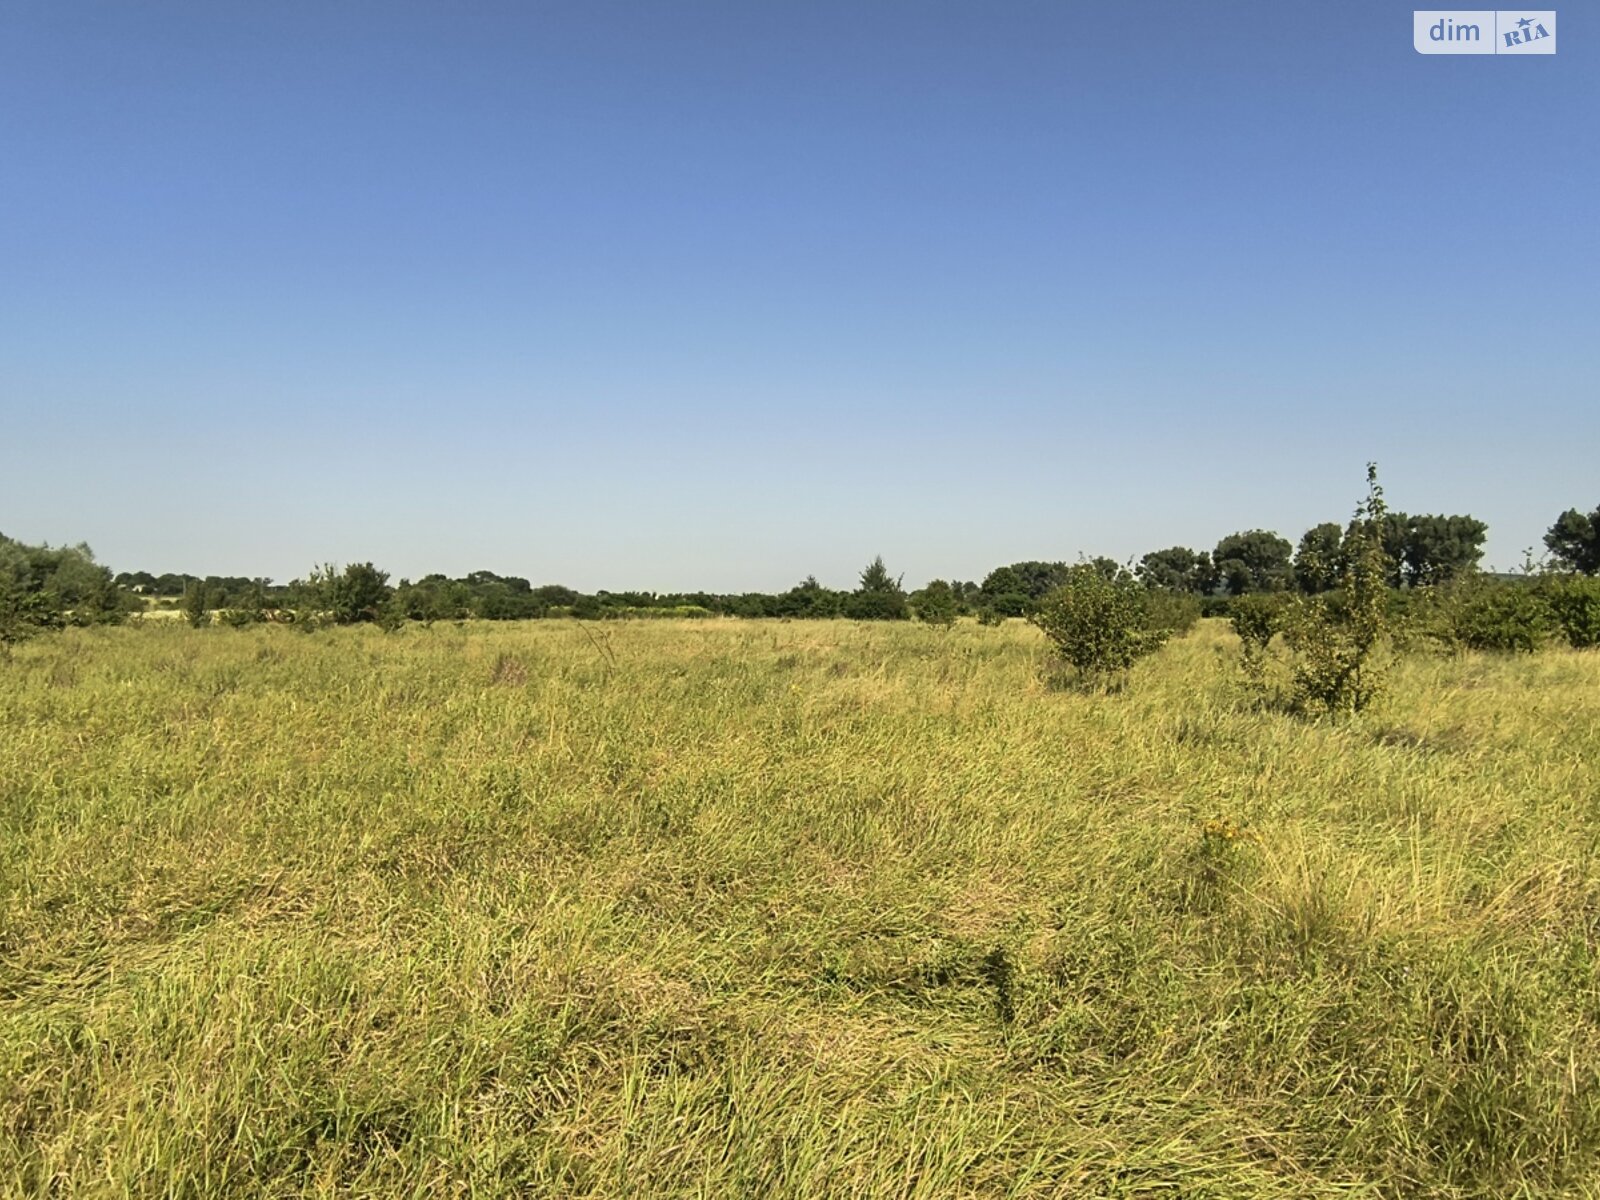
x: 786, y: 909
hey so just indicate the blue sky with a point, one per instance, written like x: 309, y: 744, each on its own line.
x: 679, y: 295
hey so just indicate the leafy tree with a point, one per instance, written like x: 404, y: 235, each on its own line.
x: 196, y: 607
x: 936, y: 604
x: 1256, y: 617
x: 1098, y: 623
x: 554, y: 595
x: 1574, y: 541
x: 1015, y: 590
x: 879, y: 597
x: 1316, y: 560
x: 1574, y: 602
x: 137, y: 581
x: 1335, y: 637
x: 249, y: 608
x: 1178, y: 569
x: 810, y: 599
x: 23, y: 615
x: 1253, y: 561
x: 357, y: 594
x: 1437, y: 549
x: 1003, y: 581
x: 875, y: 577
x: 44, y: 587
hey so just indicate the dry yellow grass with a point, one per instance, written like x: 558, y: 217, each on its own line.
x: 769, y: 909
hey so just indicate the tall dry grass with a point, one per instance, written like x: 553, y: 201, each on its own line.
x: 774, y: 909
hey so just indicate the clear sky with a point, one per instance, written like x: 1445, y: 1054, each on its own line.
x: 691, y: 294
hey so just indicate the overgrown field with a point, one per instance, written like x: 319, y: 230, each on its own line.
x: 786, y: 909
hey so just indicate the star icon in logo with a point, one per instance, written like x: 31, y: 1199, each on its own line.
x: 1525, y: 22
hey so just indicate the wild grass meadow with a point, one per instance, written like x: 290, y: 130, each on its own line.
x: 795, y: 909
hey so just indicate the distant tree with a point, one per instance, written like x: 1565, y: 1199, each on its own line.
x: 1003, y: 581
x: 1574, y: 541
x: 967, y: 591
x: 196, y: 606
x: 1039, y: 579
x: 936, y: 604
x: 875, y: 577
x: 809, y: 599
x: 1316, y: 560
x: 24, y: 609
x: 1177, y: 569
x: 879, y: 597
x: 137, y: 581
x: 553, y: 594
x: 46, y: 587
x: 1109, y: 567
x: 1253, y: 561
x: 355, y: 595
x: 249, y: 607
x: 1015, y: 590
x: 1437, y: 549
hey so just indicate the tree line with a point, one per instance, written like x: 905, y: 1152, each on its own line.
x: 45, y: 587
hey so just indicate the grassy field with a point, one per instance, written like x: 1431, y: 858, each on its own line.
x: 785, y: 909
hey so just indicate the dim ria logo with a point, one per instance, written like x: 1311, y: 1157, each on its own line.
x: 1484, y: 31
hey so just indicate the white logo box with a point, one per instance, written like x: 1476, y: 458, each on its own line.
x: 1484, y: 31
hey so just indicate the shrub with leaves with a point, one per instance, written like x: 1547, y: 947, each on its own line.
x: 1504, y: 618
x: 1335, y: 638
x: 1098, y: 623
x: 1574, y: 603
x: 1256, y: 617
x: 22, y: 615
x: 359, y: 593
x: 1174, y: 612
x: 936, y: 605
x: 196, y: 606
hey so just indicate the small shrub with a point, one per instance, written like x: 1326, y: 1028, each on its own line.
x: 22, y: 615
x: 1256, y: 617
x: 936, y: 605
x: 1574, y: 603
x: 1501, y: 618
x: 1099, y: 625
x: 1174, y: 612
x: 196, y: 605
x: 1335, y: 638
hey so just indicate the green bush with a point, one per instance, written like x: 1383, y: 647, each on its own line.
x: 1574, y: 602
x: 1256, y: 617
x: 1335, y: 638
x: 22, y: 615
x: 1099, y: 624
x: 1174, y: 612
x: 196, y: 605
x: 1504, y: 618
x: 935, y: 605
